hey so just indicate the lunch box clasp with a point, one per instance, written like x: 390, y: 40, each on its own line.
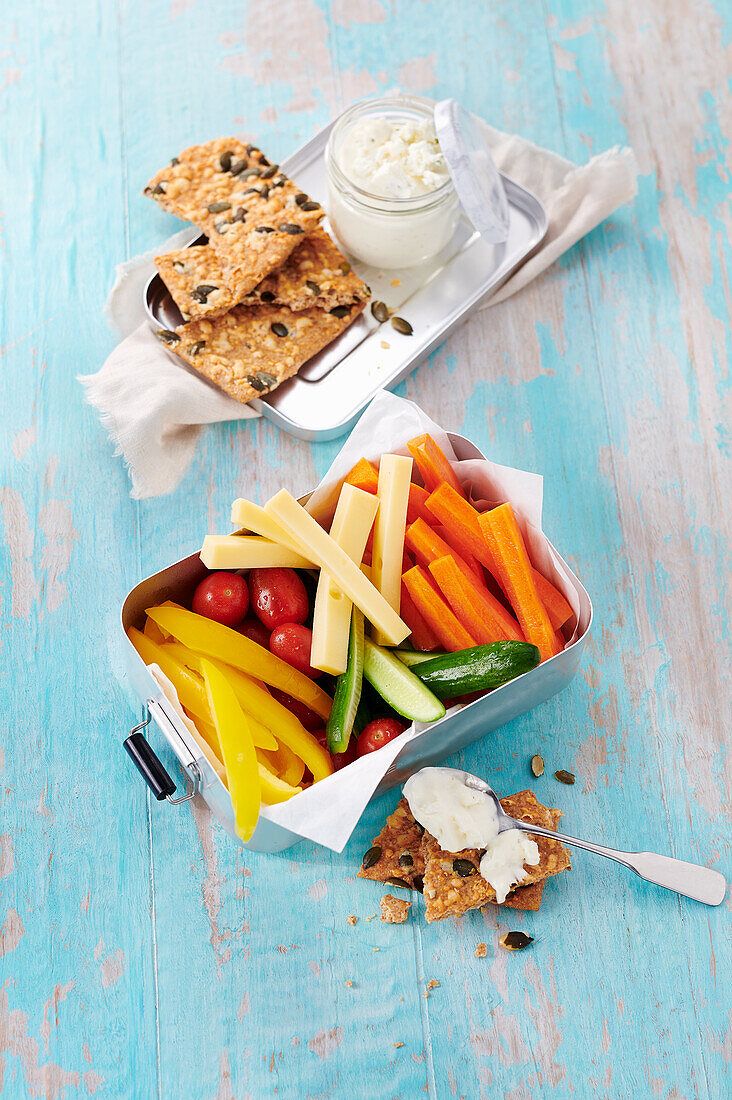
x: 151, y: 768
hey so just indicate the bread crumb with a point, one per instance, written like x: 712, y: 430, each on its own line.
x: 351, y: 919
x: 481, y: 951
x: 397, y: 1045
x: 394, y: 910
x: 385, y: 344
x: 433, y: 984
x: 396, y: 282
x: 349, y: 983
x: 371, y: 917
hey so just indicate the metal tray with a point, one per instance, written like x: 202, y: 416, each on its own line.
x: 330, y: 392
x: 435, y: 743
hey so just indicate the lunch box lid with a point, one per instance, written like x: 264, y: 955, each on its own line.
x: 477, y: 181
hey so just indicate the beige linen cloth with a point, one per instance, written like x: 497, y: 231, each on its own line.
x: 154, y: 409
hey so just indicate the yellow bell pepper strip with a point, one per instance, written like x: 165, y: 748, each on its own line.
x: 207, y: 737
x: 274, y: 788
x: 263, y: 738
x: 152, y: 631
x: 257, y: 700
x: 212, y: 639
x: 190, y: 689
x: 287, y: 764
x: 240, y: 760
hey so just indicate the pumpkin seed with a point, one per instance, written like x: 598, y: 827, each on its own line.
x: 402, y: 326
x: 264, y: 229
x: 218, y: 207
x: 249, y: 191
x: 280, y: 182
x: 167, y: 336
x: 279, y: 329
x: 251, y: 149
x: 174, y: 161
x: 301, y: 197
x: 179, y: 265
x: 418, y: 883
x: 406, y: 860
x: 263, y: 160
x: 225, y: 160
x: 310, y: 205
x: 238, y: 167
x: 340, y: 311
x: 537, y: 765
x: 249, y: 172
x: 239, y: 214
x: 372, y: 856
x: 514, y: 941
x: 463, y: 867
x: 261, y: 381
x: 380, y: 311
x: 289, y: 227
x: 394, y: 881
x: 264, y: 192
x: 564, y: 777
x: 269, y: 171
x: 267, y: 296
x: 201, y: 293
x: 197, y: 347
x: 345, y: 268
x: 159, y: 188
x: 222, y: 227
x: 314, y: 287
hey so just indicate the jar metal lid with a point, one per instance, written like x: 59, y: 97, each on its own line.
x: 477, y: 180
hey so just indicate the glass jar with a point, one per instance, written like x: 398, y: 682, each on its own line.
x: 387, y: 232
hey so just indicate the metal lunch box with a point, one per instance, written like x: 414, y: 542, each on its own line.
x: 433, y: 744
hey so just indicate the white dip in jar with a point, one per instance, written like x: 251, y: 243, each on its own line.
x: 391, y: 200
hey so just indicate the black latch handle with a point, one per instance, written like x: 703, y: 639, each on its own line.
x: 149, y: 766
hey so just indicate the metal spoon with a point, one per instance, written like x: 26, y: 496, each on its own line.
x: 689, y: 879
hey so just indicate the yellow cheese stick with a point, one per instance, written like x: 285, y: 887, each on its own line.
x: 317, y: 544
x: 249, y: 552
x: 353, y: 519
x: 395, y: 473
x: 252, y: 517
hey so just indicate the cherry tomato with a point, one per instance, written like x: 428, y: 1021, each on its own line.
x: 378, y: 733
x: 278, y: 596
x: 340, y: 759
x: 293, y: 643
x: 252, y: 628
x: 223, y: 597
x: 305, y: 716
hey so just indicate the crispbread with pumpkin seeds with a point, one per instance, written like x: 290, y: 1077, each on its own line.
x: 252, y: 349
x: 316, y: 273
x: 398, y: 842
x: 449, y: 894
x: 196, y: 282
x: 252, y: 214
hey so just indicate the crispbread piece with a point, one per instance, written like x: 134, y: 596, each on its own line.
x: 394, y: 910
x: 196, y: 282
x: 242, y: 351
x: 315, y: 274
x: 252, y: 214
x: 448, y: 894
x: 400, y: 839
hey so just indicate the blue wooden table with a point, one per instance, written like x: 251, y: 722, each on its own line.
x: 141, y: 954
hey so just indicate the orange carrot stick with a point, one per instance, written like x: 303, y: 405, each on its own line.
x: 423, y: 637
x: 417, y: 506
x: 433, y: 464
x: 435, y: 611
x: 479, y: 612
x: 426, y: 545
x: 460, y: 520
x: 364, y: 475
x: 557, y: 607
x: 507, y: 547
